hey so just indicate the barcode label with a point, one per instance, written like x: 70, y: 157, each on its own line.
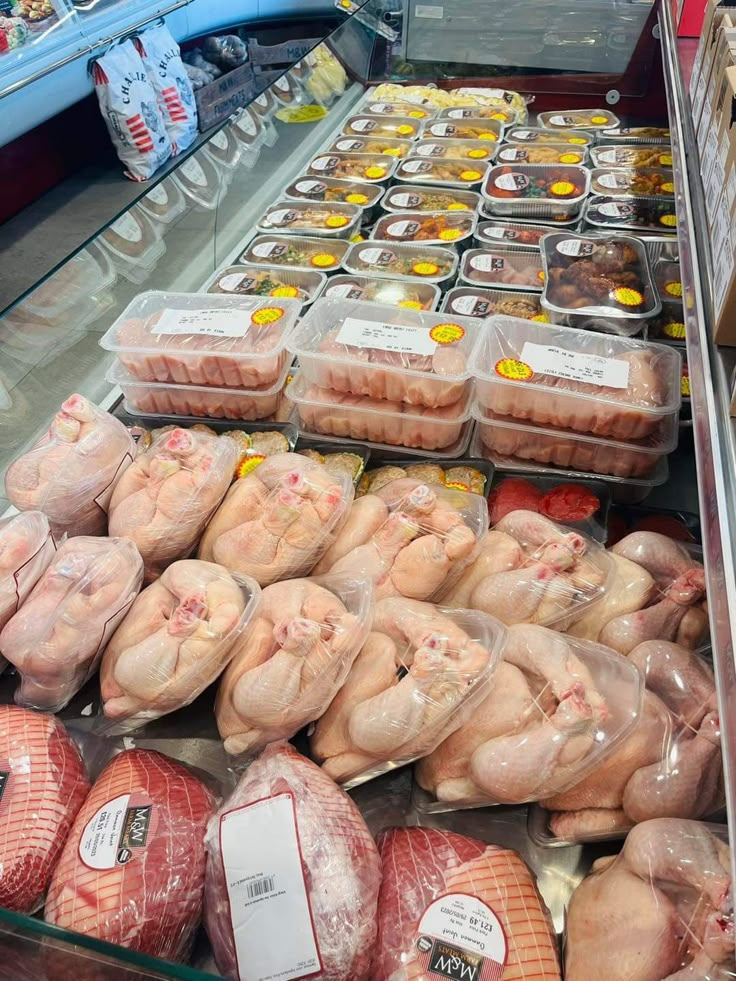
x: 261, y: 887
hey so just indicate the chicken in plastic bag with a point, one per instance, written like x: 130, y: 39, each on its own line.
x: 409, y: 539
x: 166, y: 497
x: 419, y: 674
x: 162, y: 59
x: 556, y: 708
x: 227, y: 51
x: 533, y: 570
x: 662, y: 910
x: 197, y: 77
x: 293, y: 659
x: 56, y: 638
x: 197, y: 60
x: 455, y: 907
x: 669, y: 765
x: 277, y: 521
x: 287, y: 827
x: 132, y: 870
x: 44, y: 785
x: 176, y: 639
x: 26, y: 549
x: 71, y: 471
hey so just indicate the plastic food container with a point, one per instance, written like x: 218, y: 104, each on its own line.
x: 583, y: 505
x: 634, y: 213
x: 635, y: 134
x: 423, y: 263
x: 163, y: 203
x: 392, y: 292
x: 536, y: 190
x: 430, y: 227
x: 264, y: 105
x: 507, y: 116
x: 304, y: 218
x: 373, y: 107
x: 668, y: 280
x: 473, y: 301
x: 591, y: 119
x: 632, y: 156
x: 385, y: 145
x: 557, y: 219
x: 645, y: 182
x: 669, y: 327
x: 376, y: 168
x: 541, y: 153
x: 513, y: 236
x: 199, y: 339
x: 296, y: 251
x: 135, y: 247
x: 392, y: 127
x: 473, y: 128
x: 445, y: 171
x: 536, y: 134
x: 364, y: 418
x: 273, y: 281
x: 248, y: 129
x: 457, y: 149
x: 598, y: 283
x: 414, y: 197
x: 502, y: 268
x: 287, y: 91
x: 332, y: 190
x: 199, y: 180
x: 574, y: 379
x: 224, y: 149
x: 385, y: 352
x: 84, y: 276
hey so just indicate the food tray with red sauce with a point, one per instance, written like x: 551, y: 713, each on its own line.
x: 502, y: 268
x: 583, y: 504
x: 475, y: 301
x: 536, y: 190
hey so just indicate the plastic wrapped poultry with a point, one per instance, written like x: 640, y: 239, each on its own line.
x: 420, y: 672
x: 409, y: 539
x: 176, y: 639
x: 26, y: 549
x: 669, y: 764
x: 56, y: 638
x: 165, y: 499
x: 557, y: 708
x: 532, y: 570
x: 662, y: 910
x: 293, y: 659
x: 276, y: 522
x: 72, y: 470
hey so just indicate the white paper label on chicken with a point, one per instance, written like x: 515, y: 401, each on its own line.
x: 406, y: 200
x: 117, y: 832
x: 284, y: 216
x: 363, y: 125
x: 556, y: 361
x: 310, y: 187
x: 192, y: 170
x: 443, y: 129
x: 575, y: 246
x: 235, y: 282
x: 461, y: 938
x: 349, y: 146
x: 417, y: 166
x: 214, y: 323
x: 128, y: 228
x: 430, y: 150
x: 512, y: 182
x: 403, y: 229
x: 158, y: 195
x: 386, y: 337
x: 268, y: 898
x: 246, y: 124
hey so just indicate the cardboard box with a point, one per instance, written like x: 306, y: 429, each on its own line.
x: 714, y: 14
x: 719, y: 61
x: 716, y: 136
x: 722, y: 231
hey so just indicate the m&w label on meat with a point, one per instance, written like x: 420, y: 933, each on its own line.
x: 513, y: 154
x: 284, y: 216
x: 524, y: 134
x: 417, y: 166
x: 617, y: 182
x: 325, y: 163
x: 442, y: 129
x: 376, y: 257
x: 561, y: 121
x: 406, y: 200
x: 398, y: 338
x: 431, y: 150
x: 575, y: 247
x: 560, y: 363
x: 487, y: 263
x: 269, y: 250
x: 363, y: 125
x: 508, y: 234
x: 117, y: 832
x: 269, y: 906
x: 236, y: 283
x: 403, y: 229
x: 213, y: 323
x: 460, y: 938
x: 470, y: 305
x: 512, y: 182
x: 4, y: 777
x: 346, y: 146
x: 310, y: 187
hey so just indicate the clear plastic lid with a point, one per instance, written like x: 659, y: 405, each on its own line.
x: 636, y: 134
x: 430, y: 227
x: 541, y: 153
x: 582, y: 504
x: 427, y: 263
x: 164, y: 203
x: 556, y: 217
x: 533, y: 185
x: 635, y: 213
x: 280, y: 282
x: 505, y: 115
x: 460, y: 149
x: 412, y: 110
x: 248, y: 128
x: 474, y: 301
x: 224, y: 148
x: 518, y: 236
x: 392, y: 292
x: 537, y: 134
x: 305, y: 218
x: 86, y: 274
x: 332, y: 189
x: 132, y: 238
x: 199, y: 179
x: 591, y: 119
x: 300, y: 252
x: 386, y: 451
x: 403, y: 127
x: 287, y: 91
x: 413, y: 197
x: 444, y: 171
x: 655, y: 182
x: 386, y: 145
x: 632, y: 156
x: 264, y: 105
x: 372, y: 167
x: 468, y: 128
x: 503, y: 268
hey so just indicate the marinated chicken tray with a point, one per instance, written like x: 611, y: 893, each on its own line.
x: 299, y: 284
x: 499, y: 267
x: 474, y: 301
x: 639, y: 214
x: 636, y: 134
x: 469, y: 128
x: 632, y: 156
x: 544, y: 153
x: 511, y: 235
x: 645, y: 182
x: 460, y: 173
x: 536, y: 134
x: 397, y: 108
x: 333, y: 190
x: 329, y: 220
x: 400, y: 293
x: 593, y: 119
x: 416, y: 198
x: 429, y: 263
x: 390, y: 146
x: 505, y: 115
x: 457, y: 149
x: 435, y: 228
x: 536, y: 191
x: 404, y: 127
x: 303, y: 253
x: 373, y: 167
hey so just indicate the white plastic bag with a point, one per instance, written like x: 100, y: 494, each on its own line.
x: 162, y: 60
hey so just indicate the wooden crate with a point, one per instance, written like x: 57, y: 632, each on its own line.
x: 221, y: 98
x: 285, y: 53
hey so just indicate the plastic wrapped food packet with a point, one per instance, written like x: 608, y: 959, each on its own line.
x: 661, y: 909
x: 176, y: 639
x: 287, y: 826
x: 293, y: 659
x: 132, y: 871
x: 56, y: 638
x: 447, y: 900
x: 532, y: 570
x: 277, y: 522
x: 557, y: 708
x: 419, y: 674
x: 26, y: 549
x: 71, y: 471
x: 44, y: 785
x: 162, y: 59
x: 165, y: 499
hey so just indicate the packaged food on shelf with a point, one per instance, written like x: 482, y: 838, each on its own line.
x: 200, y: 339
x: 391, y: 292
x: 668, y: 280
x: 514, y: 236
x: 474, y: 128
x: 628, y: 157
x: 635, y: 213
x: 332, y: 189
x: 456, y: 149
x: 542, y: 153
x: 164, y: 203
x: 445, y: 171
x: 431, y: 227
x: 669, y: 327
x: 198, y: 178
x: 590, y: 119
x: 413, y: 197
x: 299, y: 252
x: 598, y: 283
x: 287, y: 91
x: 304, y: 218
x: 432, y: 98
x: 536, y: 190
x: 426, y: 263
x: 502, y: 267
x: 275, y: 281
x: 474, y: 301
x: 248, y: 128
x: 502, y: 114
x: 224, y: 148
x: 403, y: 127
x: 593, y: 383
x: 385, y: 352
x: 133, y: 244
x: 470, y: 475
x: 389, y: 451
x: 642, y: 182
x: 371, y: 167
x: 395, y: 107
x: 537, y: 134
x: 635, y: 134
x: 87, y: 274
x: 583, y: 503
x: 391, y: 147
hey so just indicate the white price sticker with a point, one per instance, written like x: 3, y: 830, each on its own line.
x: 213, y: 323
x: 192, y: 170
x: 524, y: 135
x: 310, y: 187
x: 416, y: 166
x: 616, y: 182
x: 402, y: 229
x: 459, y: 936
x: 513, y: 154
x: 399, y: 338
x: 406, y: 200
x: 363, y: 125
x: 576, y: 366
x: 376, y: 257
x: 235, y: 282
x: 575, y: 247
x: 349, y: 146
x: 431, y: 150
x: 487, y: 263
x: 325, y: 163
x: 561, y: 121
x: 282, y: 216
x: 128, y: 228
x: 512, y: 182
x: 443, y: 129
x: 471, y: 305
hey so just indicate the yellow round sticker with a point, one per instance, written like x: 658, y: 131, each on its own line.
x: 669, y: 220
x: 458, y: 485
x: 628, y: 297
x: 266, y: 315
x: 392, y: 151
x: 345, y: 4
x: 457, y: 206
x: 450, y: 234
x: 570, y: 158
x: 668, y: 187
x: 477, y: 153
x: 284, y: 291
x: 357, y: 199
x: 336, y: 221
x: 488, y: 136
x: 323, y: 260
x: 580, y: 140
x: 425, y: 268
x: 685, y: 386
x: 673, y: 288
x: 513, y: 370
x: 447, y: 333
x: 405, y: 129
x: 500, y: 116
x: 541, y: 318
x: 666, y: 159
x: 249, y: 464
x: 375, y: 173
x: 470, y: 175
x: 599, y: 120
x: 674, y: 330
x: 417, y: 113
x: 562, y: 189
x: 541, y: 276
x: 410, y: 304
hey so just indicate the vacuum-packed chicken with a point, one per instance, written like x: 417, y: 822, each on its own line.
x: 417, y: 677
x: 56, y: 638
x: 292, y: 660
x: 70, y: 473
x: 26, y: 549
x: 176, y: 639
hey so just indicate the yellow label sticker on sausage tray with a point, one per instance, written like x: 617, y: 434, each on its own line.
x: 674, y: 330
x: 513, y: 370
x: 447, y: 333
x: 266, y: 316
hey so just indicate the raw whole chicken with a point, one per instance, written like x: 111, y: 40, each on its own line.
x: 669, y: 765
x: 132, y: 870
x: 56, y: 638
x: 631, y: 588
x: 292, y: 660
x: 43, y: 784
x: 166, y: 498
x: 662, y: 910
x: 176, y: 639
x: 419, y: 673
x: 436, y: 885
x: 26, y: 549
x: 277, y: 521
x: 287, y: 826
x: 556, y: 708
x: 409, y: 539
x: 72, y: 470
